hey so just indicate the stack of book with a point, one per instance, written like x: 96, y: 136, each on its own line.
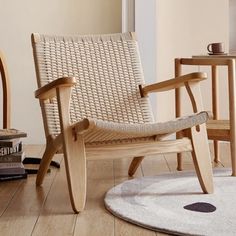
x: 11, y: 155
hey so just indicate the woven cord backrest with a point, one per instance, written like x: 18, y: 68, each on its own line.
x: 108, y: 72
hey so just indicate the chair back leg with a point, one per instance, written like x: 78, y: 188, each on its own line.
x: 134, y: 165
x: 52, y: 146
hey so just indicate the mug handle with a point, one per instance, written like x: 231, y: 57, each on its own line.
x: 208, y: 47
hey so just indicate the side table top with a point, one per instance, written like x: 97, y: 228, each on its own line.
x: 226, y: 55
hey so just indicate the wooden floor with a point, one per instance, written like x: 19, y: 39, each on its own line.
x: 27, y: 210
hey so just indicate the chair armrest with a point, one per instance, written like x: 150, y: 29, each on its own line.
x: 48, y: 91
x: 172, y: 83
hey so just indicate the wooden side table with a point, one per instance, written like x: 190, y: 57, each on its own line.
x: 223, y: 130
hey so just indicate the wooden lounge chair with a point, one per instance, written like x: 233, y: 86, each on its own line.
x: 95, y: 106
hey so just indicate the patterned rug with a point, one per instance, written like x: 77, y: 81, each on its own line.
x: 175, y: 204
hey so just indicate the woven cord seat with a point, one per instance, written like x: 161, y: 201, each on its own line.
x: 95, y: 105
x: 94, y: 130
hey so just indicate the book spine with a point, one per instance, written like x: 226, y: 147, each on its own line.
x: 11, y: 134
x: 10, y: 150
x: 11, y: 158
x: 12, y: 171
x: 10, y: 165
x: 13, y: 177
x: 9, y: 142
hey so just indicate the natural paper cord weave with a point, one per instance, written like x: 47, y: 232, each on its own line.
x: 108, y: 72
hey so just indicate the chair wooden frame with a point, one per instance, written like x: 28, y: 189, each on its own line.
x: 76, y: 151
x: 217, y: 129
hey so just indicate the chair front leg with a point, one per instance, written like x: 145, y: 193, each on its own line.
x: 201, y: 153
x: 74, y: 153
x: 202, y: 158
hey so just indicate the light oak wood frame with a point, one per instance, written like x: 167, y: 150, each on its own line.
x: 76, y: 152
x: 223, y: 130
x: 6, y: 93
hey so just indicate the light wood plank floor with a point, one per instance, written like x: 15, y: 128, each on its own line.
x: 27, y: 210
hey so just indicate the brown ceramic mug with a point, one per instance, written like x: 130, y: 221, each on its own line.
x: 215, y: 48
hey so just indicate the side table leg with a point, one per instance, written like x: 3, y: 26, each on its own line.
x: 216, y: 151
x: 232, y: 113
x: 179, y: 161
x: 178, y: 71
x: 233, y: 154
x: 215, y: 108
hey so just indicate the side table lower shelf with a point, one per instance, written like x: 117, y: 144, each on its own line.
x: 218, y: 130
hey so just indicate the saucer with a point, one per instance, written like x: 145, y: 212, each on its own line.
x: 217, y: 53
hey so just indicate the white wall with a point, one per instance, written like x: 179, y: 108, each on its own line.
x: 128, y: 15
x: 232, y: 25
x: 145, y: 28
x: 18, y: 19
x: 185, y: 28
x: 140, y: 16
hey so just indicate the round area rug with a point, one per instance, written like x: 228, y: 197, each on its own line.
x: 175, y: 204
